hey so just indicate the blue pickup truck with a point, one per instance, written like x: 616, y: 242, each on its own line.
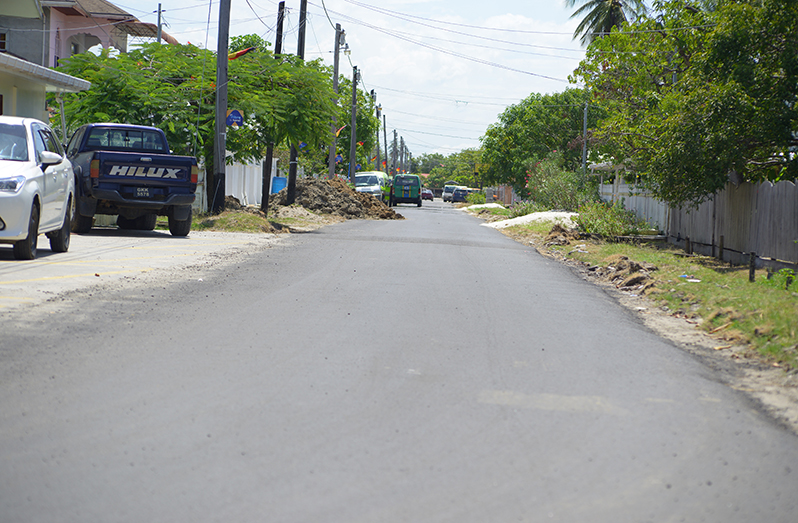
x: 129, y: 171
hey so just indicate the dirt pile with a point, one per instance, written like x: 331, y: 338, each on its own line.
x: 560, y: 235
x: 626, y: 274
x: 337, y: 198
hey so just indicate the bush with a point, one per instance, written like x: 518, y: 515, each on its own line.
x: 525, y: 207
x: 476, y: 198
x: 608, y: 220
x: 555, y: 188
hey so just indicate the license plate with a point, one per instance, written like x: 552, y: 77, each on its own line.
x: 142, y: 192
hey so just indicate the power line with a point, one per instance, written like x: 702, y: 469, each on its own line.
x: 445, y: 51
x: 407, y: 17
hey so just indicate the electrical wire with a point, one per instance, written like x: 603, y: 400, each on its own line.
x: 446, y: 51
x: 404, y: 16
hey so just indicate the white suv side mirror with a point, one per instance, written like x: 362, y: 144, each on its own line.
x: 49, y: 158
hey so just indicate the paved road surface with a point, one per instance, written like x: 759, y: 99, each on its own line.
x: 425, y: 370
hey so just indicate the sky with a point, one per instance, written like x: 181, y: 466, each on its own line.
x: 442, y: 70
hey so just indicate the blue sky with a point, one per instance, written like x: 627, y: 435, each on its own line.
x: 443, y: 70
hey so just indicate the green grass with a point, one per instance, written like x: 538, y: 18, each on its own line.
x: 761, y: 315
x: 226, y: 221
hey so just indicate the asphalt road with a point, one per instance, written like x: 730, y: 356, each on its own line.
x: 425, y: 370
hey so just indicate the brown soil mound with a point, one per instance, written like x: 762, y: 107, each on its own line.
x: 626, y: 274
x: 559, y: 235
x: 337, y: 198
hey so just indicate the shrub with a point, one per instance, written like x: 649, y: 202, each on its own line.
x: 476, y: 198
x: 525, y: 207
x: 555, y: 188
x: 608, y: 220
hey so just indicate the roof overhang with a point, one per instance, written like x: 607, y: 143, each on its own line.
x: 53, y: 81
x: 134, y: 27
x: 21, y: 9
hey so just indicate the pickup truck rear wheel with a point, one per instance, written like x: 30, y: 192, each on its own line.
x: 59, y: 240
x: 146, y: 222
x: 80, y: 223
x: 180, y: 227
x: 26, y: 249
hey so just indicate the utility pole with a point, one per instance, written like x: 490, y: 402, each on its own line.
x: 402, y: 154
x: 340, y: 39
x: 353, y: 141
x: 394, y: 153
x: 159, y: 23
x: 374, y: 98
x: 220, y: 145
x: 266, y: 171
x: 584, y: 145
x: 385, y: 139
x: 290, y: 196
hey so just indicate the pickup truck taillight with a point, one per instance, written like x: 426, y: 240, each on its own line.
x: 194, y: 174
x: 94, y: 169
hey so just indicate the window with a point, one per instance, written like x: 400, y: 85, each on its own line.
x: 13, y: 142
x: 50, y: 142
x: 2, y: 42
x: 75, y: 49
x: 126, y: 140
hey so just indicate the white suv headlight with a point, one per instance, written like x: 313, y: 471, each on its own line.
x: 13, y: 184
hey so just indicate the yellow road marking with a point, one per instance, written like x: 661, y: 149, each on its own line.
x: 48, y: 278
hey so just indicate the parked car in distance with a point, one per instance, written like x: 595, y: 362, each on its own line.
x: 406, y: 189
x: 375, y: 183
x: 459, y: 194
x: 447, y: 192
x: 426, y: 194
x: 37, y: 187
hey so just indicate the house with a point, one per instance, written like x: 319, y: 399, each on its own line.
x: 45, y: 31
x: 24, y: 87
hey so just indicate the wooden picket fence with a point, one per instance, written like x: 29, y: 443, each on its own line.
x: 750, y: 218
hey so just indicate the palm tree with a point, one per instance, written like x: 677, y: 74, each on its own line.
x: 603, y: 15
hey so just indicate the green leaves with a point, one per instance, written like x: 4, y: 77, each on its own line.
x: 173, y: 87
x: 693, y: 95
x: 532, y: 129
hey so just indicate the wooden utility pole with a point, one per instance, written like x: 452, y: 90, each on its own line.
x: 340, y: 36
x: 266, y: 171
x: 290, y: 196
x: 385, y: 139
x: 378, y: 108
x: 584, y: 143
x: 353, y: 142
x: 394, y: 153
x: 220, y: 145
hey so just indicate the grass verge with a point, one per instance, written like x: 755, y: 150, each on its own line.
x: 252, y: 222
x: 762, y: 315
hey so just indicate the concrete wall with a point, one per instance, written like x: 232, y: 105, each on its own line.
x: 22, y: 97
x: 25, y: 38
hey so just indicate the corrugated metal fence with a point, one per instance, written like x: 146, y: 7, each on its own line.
x: 750, y: 218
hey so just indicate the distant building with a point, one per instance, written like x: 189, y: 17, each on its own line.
x: 45, y: 31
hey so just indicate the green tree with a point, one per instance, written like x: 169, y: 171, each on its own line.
x: 460, y: 167
x: 530, y: 130
x: 239, y: 43
x: 696, y: 96
x: 601, y: 16
x: 426, y: 162
x: 173, y: 87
